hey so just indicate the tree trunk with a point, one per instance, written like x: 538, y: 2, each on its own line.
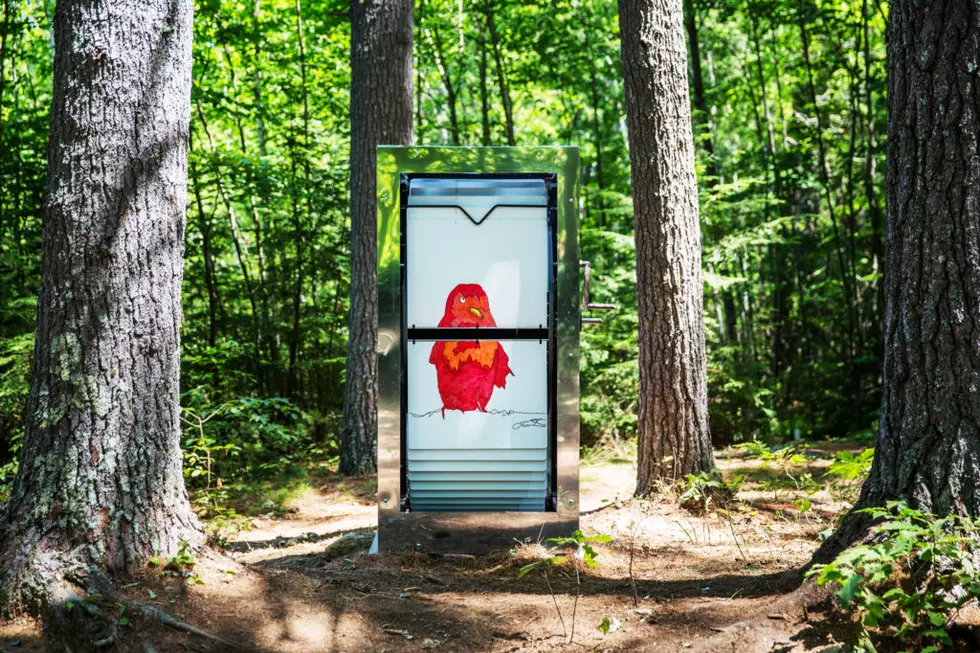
x: 673, y: 415
x: 435, y: 41
x: 928, y: 447
x: 381, y: 113
x: 100, y: 482
x: 498, y: 60
x: 204, y: 223
x: 484, y: 93
x: 870, y: 180
x: 299, y: 237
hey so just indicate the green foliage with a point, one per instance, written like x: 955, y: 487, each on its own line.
x: 704, y: 491
x: 583, y: 552
x: 910, y: 581
x: 791, y: 277
x: 848, y: 472
x: 183, y: 559
x: 609, y: 625
x: 225, y: 524
x: 785, y: 466
x: 610, y: 375
x: 754, y: 449
x: 230, y: 447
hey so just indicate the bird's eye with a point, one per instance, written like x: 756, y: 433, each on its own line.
x: 462, y: 300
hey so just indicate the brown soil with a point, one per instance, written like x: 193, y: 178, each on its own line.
x: 696, y: 579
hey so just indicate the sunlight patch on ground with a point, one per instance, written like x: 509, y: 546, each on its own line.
x: 301, y: 627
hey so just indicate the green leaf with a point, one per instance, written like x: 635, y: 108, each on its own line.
x: 526, y: 569
x: 846, y: 593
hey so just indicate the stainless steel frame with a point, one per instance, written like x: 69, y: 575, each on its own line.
x: 458, y: 531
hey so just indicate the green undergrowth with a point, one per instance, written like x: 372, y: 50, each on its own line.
x: 905, y: 587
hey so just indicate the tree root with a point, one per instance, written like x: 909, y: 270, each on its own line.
x: 162, y: 617
x: 760, y: 633
x: 93, y: 617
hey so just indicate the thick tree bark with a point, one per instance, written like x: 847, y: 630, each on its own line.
x: 100, y: 480
x: 928, y: 447
x: 673, y: 419
x: 381, y: 113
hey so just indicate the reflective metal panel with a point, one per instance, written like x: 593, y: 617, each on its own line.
x: 477, y: 531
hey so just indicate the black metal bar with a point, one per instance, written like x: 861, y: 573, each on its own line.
x: 489, y: 333
x: 551, y: 498
x: 404, y: 499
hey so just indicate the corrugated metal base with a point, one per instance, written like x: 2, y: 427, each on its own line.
x: 481, y: 480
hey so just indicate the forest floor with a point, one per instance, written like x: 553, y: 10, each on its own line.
x: 278, y: 588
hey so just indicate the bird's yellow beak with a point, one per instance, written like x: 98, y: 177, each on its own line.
x: 477, y: 312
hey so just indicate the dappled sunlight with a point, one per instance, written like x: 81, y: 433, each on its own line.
x: 301, y: 627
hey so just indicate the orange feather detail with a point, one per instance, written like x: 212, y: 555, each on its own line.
x: 483, y: 353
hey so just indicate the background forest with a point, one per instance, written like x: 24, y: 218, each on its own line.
x: 789, y: 113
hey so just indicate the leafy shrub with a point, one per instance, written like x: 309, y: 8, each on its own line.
x: 610, y: 374
x: 15, y: 367
x: 785, y: 464
x: 848, y: 472
x: 753, y: 448
x: 908, y: 584
x: 701, y: 492
x: 241, y: 441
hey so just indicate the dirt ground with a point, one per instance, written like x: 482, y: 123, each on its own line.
x: 276, y: 588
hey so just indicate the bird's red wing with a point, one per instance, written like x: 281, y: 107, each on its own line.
x: 501, y: 368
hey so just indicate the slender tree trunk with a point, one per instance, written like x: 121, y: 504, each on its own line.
x: 484, y: 93
x: 728, y: 318
x: 435, y: 40
x: 828, y: 196
x: 100, y: 483
x: 597, y: 139
x: 204, y: 224
x: 299, y: 237
x: 870, y: 181
x: 240, y: 249
x: 3, y: 79
x: 673, y: 415
x: 381, y: 112
x: 498, y: 60
x: 697, y: 77
x: 928, y: 447
x: 3, y: 60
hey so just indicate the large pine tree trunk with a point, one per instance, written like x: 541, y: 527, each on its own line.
x: 928, y: 447
x: 673, y: 419
x: 100, y: 479
x: 381, y: 114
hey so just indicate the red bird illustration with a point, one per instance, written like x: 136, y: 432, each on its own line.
x: 467, y: 372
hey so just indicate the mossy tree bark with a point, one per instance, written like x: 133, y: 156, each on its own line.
x: 928, y: 446
x: 673, y: 416
x: 381, y: 114
x: 100, y: 484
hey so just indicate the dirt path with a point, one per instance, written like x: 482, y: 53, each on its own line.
x: 277, y: 591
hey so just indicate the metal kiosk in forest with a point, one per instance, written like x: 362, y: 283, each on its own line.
x: 478, y: 346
